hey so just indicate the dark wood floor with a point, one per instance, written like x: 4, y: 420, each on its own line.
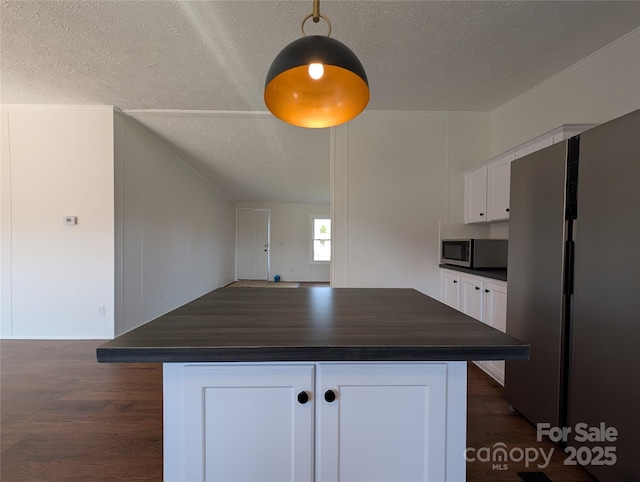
x: 66, y: 417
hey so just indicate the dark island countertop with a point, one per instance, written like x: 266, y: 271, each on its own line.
x: 492, y: 273
x: 312, y: 324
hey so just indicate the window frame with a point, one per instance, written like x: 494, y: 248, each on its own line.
x: 312, y: 219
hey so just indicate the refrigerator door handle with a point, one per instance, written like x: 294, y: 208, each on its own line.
x: 569, y: 248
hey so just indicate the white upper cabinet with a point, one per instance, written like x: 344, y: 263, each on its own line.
x: 475, y: 188
x: 498, y: 185
x: 487, y: 191
x: 486, y: 188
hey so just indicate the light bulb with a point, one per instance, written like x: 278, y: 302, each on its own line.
x: 316, y: 71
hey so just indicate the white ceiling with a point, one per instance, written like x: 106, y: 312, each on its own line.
x: 194, y: 72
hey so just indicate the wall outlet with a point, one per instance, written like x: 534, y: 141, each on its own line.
x: 101, y: 310
x: 71, y: 220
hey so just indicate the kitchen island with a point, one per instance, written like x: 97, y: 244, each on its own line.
x: 313, y: 384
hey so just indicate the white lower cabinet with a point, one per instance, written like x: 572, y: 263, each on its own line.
x: 481, y: 298
x: 250, y: 410
x: 388, y: 422
x: 495, y: 315
x: 471, y: 296
x: 326, y: 422
x: 451, y: 289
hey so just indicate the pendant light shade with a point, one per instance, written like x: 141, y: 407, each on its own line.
x: 316, y: 81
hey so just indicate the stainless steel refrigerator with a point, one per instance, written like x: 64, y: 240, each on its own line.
x: 574, y: 290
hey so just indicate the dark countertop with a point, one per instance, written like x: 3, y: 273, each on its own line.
x: 499, y: 274
x: 312, y: 324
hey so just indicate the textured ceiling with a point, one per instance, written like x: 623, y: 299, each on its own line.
x: 187, y: 57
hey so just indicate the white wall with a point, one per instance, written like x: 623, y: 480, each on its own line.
x: 468, y: 146
x: 176, y: 231
x: 600, y: 88
x: 290, y: 232
x: 394, y: 177
x: 56, y: 162
x: 5, y: 227
x: 151, y: 234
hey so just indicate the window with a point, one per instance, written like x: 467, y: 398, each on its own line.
x: 321, y: 238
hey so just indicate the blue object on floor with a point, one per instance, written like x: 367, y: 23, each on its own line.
x: 276, y: 278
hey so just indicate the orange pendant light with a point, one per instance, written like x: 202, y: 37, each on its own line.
x: 316, y: 81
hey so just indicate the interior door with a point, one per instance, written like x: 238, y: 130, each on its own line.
x: 253, y: 244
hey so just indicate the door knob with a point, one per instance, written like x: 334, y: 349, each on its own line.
x: 507, y: 210
x: 455, y: 281
x: 486, y: 291
x: 303, y: 397
x: 477, y: 287
x: 481, y: 214
x: 329, y: 396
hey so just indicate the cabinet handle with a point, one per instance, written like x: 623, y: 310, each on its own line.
x: 477, y: 287
x: 303, y: 397
x: 329, y: 396
x: 486, y: 291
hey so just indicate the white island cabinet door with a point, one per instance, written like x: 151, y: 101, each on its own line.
x: 388, y: 422
x: 238, y: 423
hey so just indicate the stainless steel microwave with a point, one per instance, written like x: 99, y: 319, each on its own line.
x: 475, y: 253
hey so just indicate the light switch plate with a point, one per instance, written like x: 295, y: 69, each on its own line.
x: 71, y: 220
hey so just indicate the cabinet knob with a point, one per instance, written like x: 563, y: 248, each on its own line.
x: 455, y: 280
x: 481, y: 214
x: 329, y: 396
x: 477, y: 287
x: 486, y: 291
x: 303, y: 397
x: 507, y: 209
